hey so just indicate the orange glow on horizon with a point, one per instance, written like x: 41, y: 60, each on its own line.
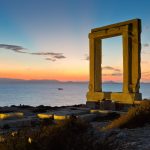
x: 66, y: 75
x: 41, y: 75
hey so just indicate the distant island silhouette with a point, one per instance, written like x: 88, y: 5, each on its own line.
x: 10, y: 80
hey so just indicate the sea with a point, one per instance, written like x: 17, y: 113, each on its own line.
x: 54, y: 94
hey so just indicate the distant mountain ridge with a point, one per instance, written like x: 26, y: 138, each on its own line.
x: 9, y: 80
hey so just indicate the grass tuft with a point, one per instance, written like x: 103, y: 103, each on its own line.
x: 136, y: 116
x: 71, y: 134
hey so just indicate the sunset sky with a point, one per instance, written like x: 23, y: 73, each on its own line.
x: 48, y: 39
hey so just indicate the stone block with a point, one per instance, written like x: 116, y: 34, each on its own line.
x: 11, y: 115
x: 45, y: 116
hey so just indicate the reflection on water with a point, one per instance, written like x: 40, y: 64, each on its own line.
x: 48, y: 94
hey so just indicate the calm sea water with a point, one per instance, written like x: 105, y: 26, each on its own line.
x: 48, y: 94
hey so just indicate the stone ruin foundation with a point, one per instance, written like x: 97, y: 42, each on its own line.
x: 130, y: 32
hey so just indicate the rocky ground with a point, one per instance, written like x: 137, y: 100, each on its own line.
x: 131, y: 139
x: 124, y: 139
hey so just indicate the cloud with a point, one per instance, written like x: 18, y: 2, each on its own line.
x: 112, y: 74
x: 110, y: 68
x: 19, y: 49
x: 86, y: 57
x: 56, y: 57
x: 115, y: 71
x: 15, y: 48
x: 145, y: 45
x: 46, y: 53
x: 116, y: 74
x: 145, y: 48
x: 53, y: 56
x: 59, y: 57
x: 50, y: 59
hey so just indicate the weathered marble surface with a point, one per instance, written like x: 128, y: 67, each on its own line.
x: 130, y: 32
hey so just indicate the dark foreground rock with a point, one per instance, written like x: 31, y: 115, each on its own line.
x: 118, y: 139
x: 129, y: 139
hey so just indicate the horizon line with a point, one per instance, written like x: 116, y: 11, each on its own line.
x: 107, y: 81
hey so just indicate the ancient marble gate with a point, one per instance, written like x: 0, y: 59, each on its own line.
x: 130, y: 32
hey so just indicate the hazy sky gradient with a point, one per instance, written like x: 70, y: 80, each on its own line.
x: 54, y: 37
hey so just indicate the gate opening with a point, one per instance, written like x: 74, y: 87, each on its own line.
x: 112, y: 64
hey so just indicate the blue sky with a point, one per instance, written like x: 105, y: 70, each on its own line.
x: 62, y: 26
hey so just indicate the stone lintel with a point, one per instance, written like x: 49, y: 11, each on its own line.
x: 118, y: 25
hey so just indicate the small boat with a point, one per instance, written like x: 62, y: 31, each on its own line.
x: 60, y: 88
